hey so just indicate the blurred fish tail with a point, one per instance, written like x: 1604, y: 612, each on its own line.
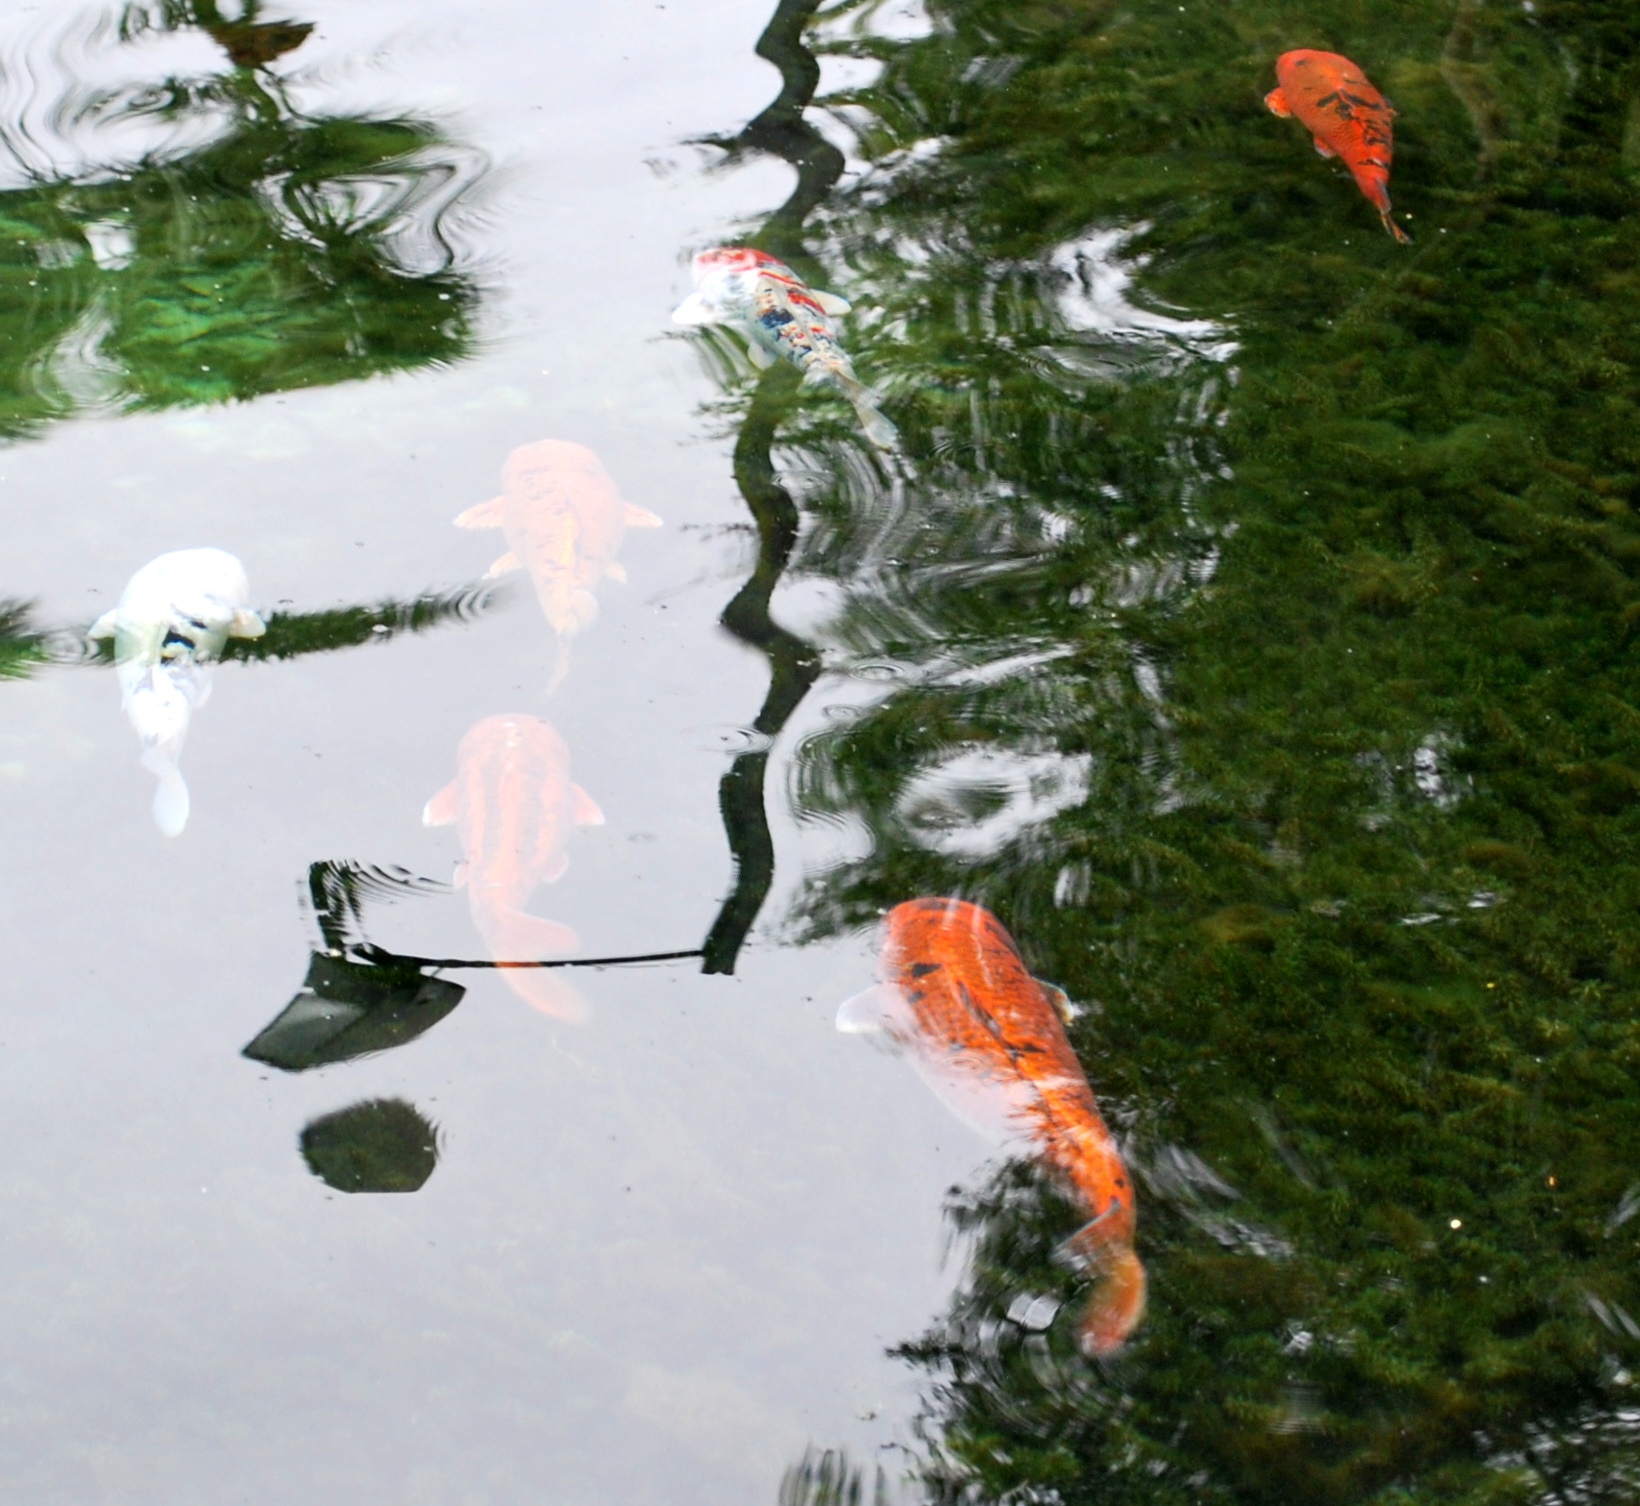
x: 171, y: 804
x: 1117, y: 1303
x: 878, y: 429
x: 560, y: 664
x: 1394, y: 229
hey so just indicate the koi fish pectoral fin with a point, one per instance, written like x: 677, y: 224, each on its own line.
x: 585, y: 808
x: 640, y: 517
x: 878, y: 1013
x: 507, y: 563
x: 1276, y: 103
x: 104, y: 626
x: 485, y: 515
x: 695, y: 310
x: 441, y: 809
x: 830, y: 304
x: 1323, y: 149
x: 758, y: 356
x: 1061, y: 1002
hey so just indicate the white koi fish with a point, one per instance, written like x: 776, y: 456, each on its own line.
x: 173, y: 621
x: 781, y: 316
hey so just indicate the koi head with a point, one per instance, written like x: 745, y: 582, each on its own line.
x: 721, y: 259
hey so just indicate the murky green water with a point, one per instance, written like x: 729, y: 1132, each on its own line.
x: 1247, y: 617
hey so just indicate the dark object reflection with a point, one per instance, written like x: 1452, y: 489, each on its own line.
x: 794, y: 665
x: 349, y: 1008
x: 381, y: 1145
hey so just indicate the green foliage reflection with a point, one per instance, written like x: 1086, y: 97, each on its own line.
x: 1254, y: 631
x: 281, y: 251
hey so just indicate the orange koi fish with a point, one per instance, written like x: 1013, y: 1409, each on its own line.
x: 990, y: 1039
x: 512, y: 803
x: 1347, y: 117
x: 564, y: 521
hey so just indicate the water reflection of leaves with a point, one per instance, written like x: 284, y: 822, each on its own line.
x: 282, y: 251
x: 1404, y: 532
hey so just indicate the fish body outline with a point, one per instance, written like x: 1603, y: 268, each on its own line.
x: 956, y: 997
x: 1347, y: 117
x: 564, y: 521
x: 783, y: 318
x: 513, y: 803
x: 171, y: 624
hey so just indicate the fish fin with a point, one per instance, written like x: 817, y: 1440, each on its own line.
x: 1061, y: 1002
x: 1323, y: 149
x: 1117, y: 1304
x: 171, y: 803
x: 830, y: 304
x: 758, y: 356
x: 874, y: 422
x: 460, y: 874
x: 547, y: 990
x: 246, y: 624
x: 560, y: 866
x: 640, y: 517
x: 1394, y: 229
x: 616, y: 572
x: 104, y: 626
x: 1276, y: 103
x: 441, y: 809
x: 585, y: 807
x: 508, y: 561
x: 485, y: 515
x: 696, y: 310
x: 874, y: 1012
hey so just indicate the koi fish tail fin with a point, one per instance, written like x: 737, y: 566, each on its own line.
x: 171, y: 804
x: 1116, y: 1305
x: 1394, y: 229
x: 560, y: 664
x: 516, y: 940
x: 873, y: 421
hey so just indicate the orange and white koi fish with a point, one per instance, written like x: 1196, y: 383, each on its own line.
x: 956, y: 997
x: 781, y: 316
x: 564, y: 521
x: 512, y: 803
x: 1348, y: 118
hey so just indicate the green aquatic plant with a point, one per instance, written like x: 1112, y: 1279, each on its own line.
x: 1253, y: 627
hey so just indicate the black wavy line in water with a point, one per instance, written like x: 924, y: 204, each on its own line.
x: 781, y: 131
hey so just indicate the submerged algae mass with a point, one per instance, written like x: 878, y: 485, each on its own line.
x: 1314, y: 559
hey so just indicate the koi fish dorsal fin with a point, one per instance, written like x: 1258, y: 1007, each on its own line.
x: 485, y: 515
x: 640, y: 517
x: 1276, y: 103
x: 830, y: 304
x: 696, y: 310
x: 441, y: 809
x: 503, y: 566
x: 104, y: 626
x: 246, y: 624
x: 585, y: 808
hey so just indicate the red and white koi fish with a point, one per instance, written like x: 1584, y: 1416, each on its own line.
x: 172, y: 623
x: 512, y: 803
x: 956, y: 997
x: 564, y: 522
x: 1337, y: 104
x: 781, y: 316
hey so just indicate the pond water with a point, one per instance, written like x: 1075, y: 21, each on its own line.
x: 1245, y: 614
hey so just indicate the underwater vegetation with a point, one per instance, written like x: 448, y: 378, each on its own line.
x: 1252, y: 628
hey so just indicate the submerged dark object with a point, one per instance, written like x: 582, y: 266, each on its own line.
x: 380, y: 1145
x: 349, y: 1009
